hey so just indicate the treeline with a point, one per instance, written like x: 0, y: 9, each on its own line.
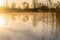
x: 34, y: 7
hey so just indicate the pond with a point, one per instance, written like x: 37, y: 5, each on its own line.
x: 28, y: 26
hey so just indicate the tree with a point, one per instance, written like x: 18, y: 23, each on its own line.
x: 58, y: 3
x: 39, y: 5
x: 50, y: 3
x: 13, y: 5
x: 35, y: 5
x: 6, y: 3
x: 25, y: 5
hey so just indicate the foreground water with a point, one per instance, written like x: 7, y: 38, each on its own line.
x: 28, y: 26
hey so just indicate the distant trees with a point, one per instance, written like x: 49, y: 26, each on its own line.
x: 36, y: 6
x: 25, y: 5
x: 19, y: 7
x: 35, y: 2
x: 13, y: 5
x: 39, y: 5
x: 58, y: 3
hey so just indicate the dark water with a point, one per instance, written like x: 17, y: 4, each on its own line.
x: 29, y: 26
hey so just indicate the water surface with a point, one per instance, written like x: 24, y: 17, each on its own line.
x: 28, y: 26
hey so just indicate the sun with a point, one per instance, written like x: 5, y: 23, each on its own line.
x: 1, y: 3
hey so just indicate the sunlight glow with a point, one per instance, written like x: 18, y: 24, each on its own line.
x: 2, y: 21
x: 1, y: 3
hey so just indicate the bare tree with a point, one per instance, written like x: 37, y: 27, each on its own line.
x: 13, y: 5
x: 25, y: 5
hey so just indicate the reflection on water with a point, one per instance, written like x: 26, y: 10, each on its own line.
x: 30, y: 26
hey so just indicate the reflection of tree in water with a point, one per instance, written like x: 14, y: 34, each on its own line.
x: 13, y: 17
x: 48, y: 23
x: 26, y: 18
x: 36, y: 18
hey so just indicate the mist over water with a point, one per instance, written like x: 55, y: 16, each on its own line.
x: 29, y: 26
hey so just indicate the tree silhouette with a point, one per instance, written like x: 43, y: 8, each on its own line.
x: 39, y: 5
x: 13, y: 5
x: 50, y: 2
x: 25, y: 5
x: 19, y: 8
x: 34, y: 5
x: 58, y: 3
